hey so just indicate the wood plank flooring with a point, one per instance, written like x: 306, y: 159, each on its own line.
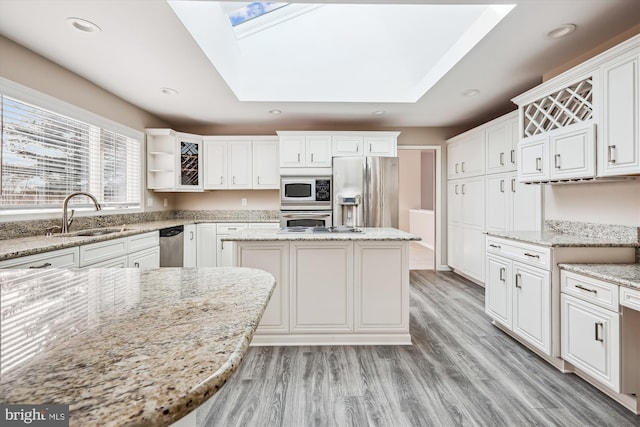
x: 460, y: 371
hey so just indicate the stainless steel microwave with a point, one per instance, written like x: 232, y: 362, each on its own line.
x: 305, y: 192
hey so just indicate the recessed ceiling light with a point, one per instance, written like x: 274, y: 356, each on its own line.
x: 275, y: 111
x: 83, y: 25
x: 169, y: 91
x: 561, y: 31
x: 470, y: 92
x: 378, y: 113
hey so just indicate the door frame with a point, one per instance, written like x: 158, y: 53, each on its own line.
x: 439, y: 250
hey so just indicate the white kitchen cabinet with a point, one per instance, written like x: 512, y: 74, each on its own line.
x: 61, y: 258
x: 572, y: 152
x: 511, y: 205
x: 347, y: 145
x: 190, y: 246
x: 532, y: 305
x: 380, y: 146
x: 466, y: 154
x: 228, y: 165
x: 498, y: 295
x: 533, y: 160
x: 224, y: 250
x: 619, y: 130
x: 266, y: 168
x: 272, y: 257
x: 174, y: 161
x: 101, y: 251
x: 322, y: 300
x: 144, y: 259
x: 501, y: 143
x: 117, y: 262
x: 305, y: 151
x: 206, y: 244
x: 591, y: 340
x: 379, y: 270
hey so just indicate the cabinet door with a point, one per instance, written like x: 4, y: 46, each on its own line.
x: 533, y: 160
x: 215, y: 165
x: 292, y: 151
x: 532, y: 306
x: 454, y: 159
x: 190, y: 246
x: 454, y: 245
x: 206, y: 243
x: 272, y: 258
x: 525, y: 206
x: 62, y: 258
x: 473, y: 155
x: 322, y: 287
x: 473, y: 250
x: 454, y: 201
x: 619, y: 132
x: 240, y: 165
x: 513, y: 150
x: 266, y: 169
x: 472, y: 190
x: 347, y: 145
x: 498, y: 292
x: 497, y: 202
x: 148, y: 258
x: 224, y: 252
x: 381, y: 287
x: 189, y: 162
x: 381, y: 146
x: 498, y: 147
x: 102, y: 251
x: 590, y: 339
x: 572, y: 152
x: 318, y: 151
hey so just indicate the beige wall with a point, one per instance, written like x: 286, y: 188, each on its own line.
x: 409, y: 184
x: 229, y: 199
x: 427, y: 179
x: 29, y: 69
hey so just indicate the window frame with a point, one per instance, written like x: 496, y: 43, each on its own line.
x: 30, y: 96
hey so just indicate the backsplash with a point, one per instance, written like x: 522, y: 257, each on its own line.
x: 608, y: 231
x: 16, y: 229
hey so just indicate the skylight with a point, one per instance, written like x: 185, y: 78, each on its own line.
x: 252, y: 10
x: 336, y: 52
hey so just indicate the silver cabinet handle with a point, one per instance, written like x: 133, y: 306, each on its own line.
x: 610, y: 158
x: 45, y: 265
x: 463, y: 189
x: 462, y: 167
x: 539, y: 164
x: 501, y: 159
x: 456, y: 167
x: 258, y: 180
x: 513, y: 185
x: 557, y: 161
x: 595, y: 291
x: 191, y: 235
x: 221, y: 180
x: 311, y: 157
x: 518, y: 279
x: 370, y: 148
x: 136, y: 264
x: 456, y: 190
x: 234, y: 180
x: 298, y: 157
x: 502, y: 271
x: 599, y: 326
x: 531, y: 255
x: 357, y: 147
x: 513, y: 156
x: 495, y: 246
x: 311, y: 215
x: 502, y: 185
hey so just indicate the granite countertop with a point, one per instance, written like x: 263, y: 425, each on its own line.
x: 14, y: 248
x: 554, y: 238
x: 621, y: 274
x: 125, y: 346
x: 367, y: 233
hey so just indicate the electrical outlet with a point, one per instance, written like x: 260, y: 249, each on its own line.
x: 165, y: 203
x: 244, y: 201
x: 150, y: 202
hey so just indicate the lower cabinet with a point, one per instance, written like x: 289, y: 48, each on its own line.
x: 224, y: 250
x: 62, y: 258
x: 206, y: 245
x: 148, y: 258
x: 190, y: 251
x: 322, y: 299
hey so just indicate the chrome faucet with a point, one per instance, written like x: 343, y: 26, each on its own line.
x: 66, y: 221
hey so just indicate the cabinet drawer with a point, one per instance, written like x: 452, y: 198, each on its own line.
x: 119, y: 262
x: 630, y: 298
x: 143, y: 241
x: 589, y: 289
x: 62, y: 258
x: 536, y: 256
x: 230, y: 228
x: 96, y: 252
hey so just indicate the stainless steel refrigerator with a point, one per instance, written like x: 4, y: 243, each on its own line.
x: 365, y: 191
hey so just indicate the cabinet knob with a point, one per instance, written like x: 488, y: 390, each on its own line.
x: 136, y: 264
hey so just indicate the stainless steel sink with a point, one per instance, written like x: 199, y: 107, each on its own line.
x: 92, y: 232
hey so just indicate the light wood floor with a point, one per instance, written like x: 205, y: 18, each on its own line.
x: 460, y: 371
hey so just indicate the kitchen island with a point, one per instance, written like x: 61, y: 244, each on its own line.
x: 124, y: 346
x: 332, y: 287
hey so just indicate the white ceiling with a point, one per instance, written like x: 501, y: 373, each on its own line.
x: 144, y: 47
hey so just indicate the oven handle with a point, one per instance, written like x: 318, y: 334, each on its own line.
x: 303, y: 214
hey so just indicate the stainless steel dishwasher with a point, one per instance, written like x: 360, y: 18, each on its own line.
x: 172, y: 246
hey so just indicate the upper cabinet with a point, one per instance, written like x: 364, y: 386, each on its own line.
x: 466, y: 154
x: 584, y: 123
x: 266, y: 171
x: 174, y: 161
x: 305, y: 151
x: 501, y: 138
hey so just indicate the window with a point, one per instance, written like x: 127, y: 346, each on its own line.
x: 45, y: 155
x: 252, y: 10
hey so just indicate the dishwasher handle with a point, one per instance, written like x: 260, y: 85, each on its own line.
x: 172, y: 231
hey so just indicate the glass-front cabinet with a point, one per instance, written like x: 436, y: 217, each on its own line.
x: 190, y: 162
x: 174, y: 161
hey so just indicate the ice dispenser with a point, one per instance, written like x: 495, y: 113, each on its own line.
x: 349, y: 211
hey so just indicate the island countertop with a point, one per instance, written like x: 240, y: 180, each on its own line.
x: 557, y: 239
x: 627, y: 275
x: 367, y: 233
x: 125, y: 346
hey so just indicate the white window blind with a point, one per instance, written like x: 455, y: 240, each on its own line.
x: 47, y: 155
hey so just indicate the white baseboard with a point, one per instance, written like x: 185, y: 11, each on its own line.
x: 325, y: 339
